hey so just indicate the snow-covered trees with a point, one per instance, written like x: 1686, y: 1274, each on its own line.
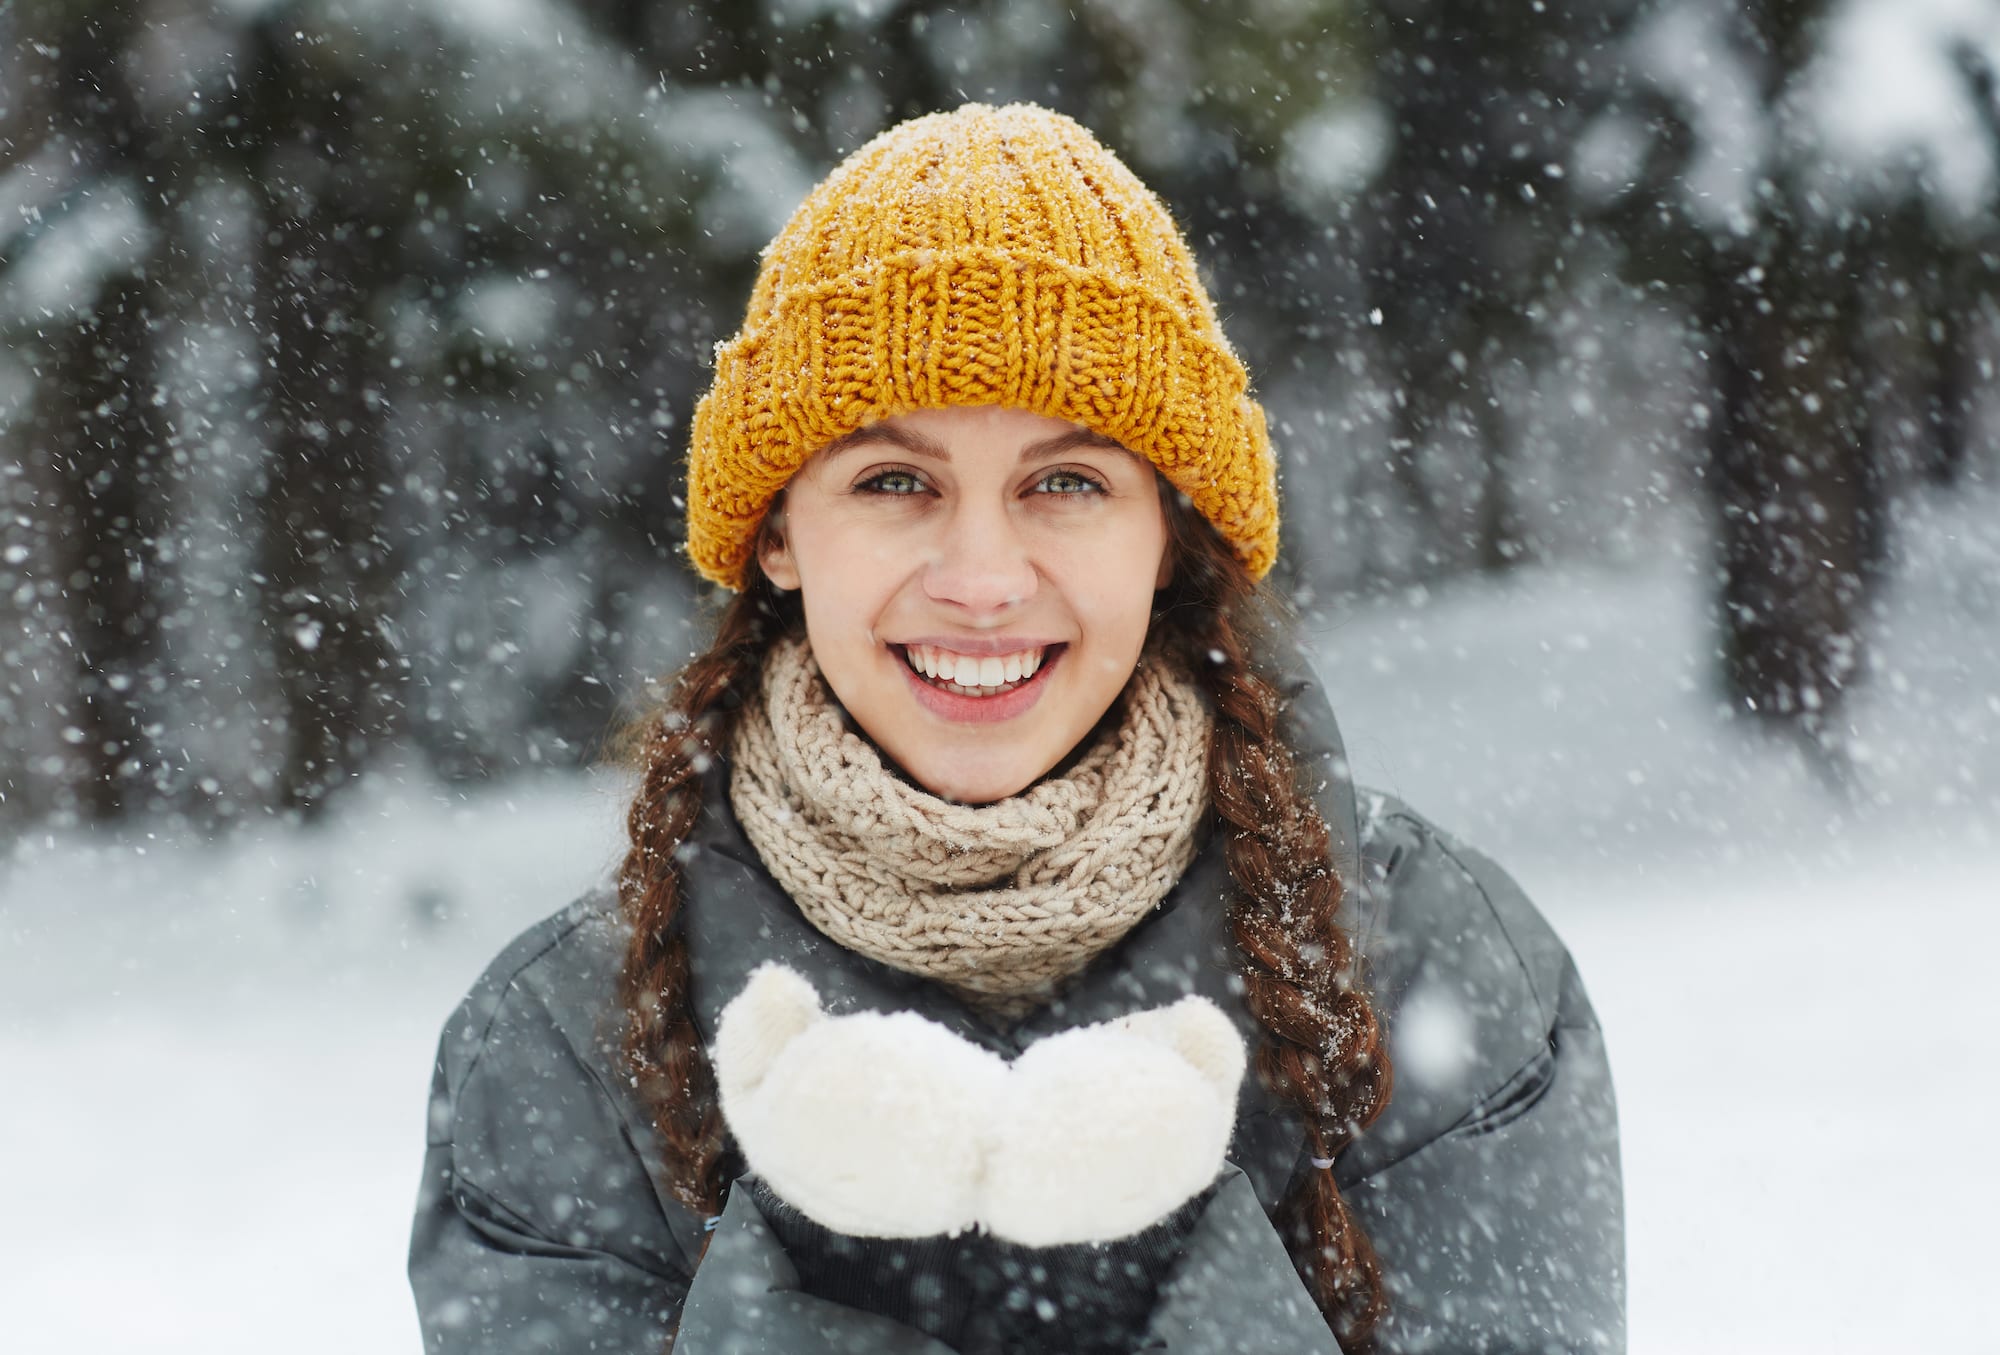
x: 349, y: 348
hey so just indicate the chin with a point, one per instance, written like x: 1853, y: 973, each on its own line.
x: 978, y: 786
x: 984, y: 791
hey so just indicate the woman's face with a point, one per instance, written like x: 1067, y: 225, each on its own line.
x: 977, y: 583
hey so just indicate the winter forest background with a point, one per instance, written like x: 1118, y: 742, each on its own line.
x: 1631, y: 362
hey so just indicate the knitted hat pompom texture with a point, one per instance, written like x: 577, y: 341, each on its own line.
x: 982, y: 256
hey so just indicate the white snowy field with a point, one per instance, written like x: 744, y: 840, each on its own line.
x: 213, y: 1061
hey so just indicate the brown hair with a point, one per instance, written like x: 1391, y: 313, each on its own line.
x: 1322, y: 1049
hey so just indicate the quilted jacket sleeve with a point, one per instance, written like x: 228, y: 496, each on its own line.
x: 526, y: 1237
x: 1492, y: 1188
x: 538, y: 1230
x: 1506, y: 1233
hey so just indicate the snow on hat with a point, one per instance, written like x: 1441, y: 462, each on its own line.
x: 979, y: 256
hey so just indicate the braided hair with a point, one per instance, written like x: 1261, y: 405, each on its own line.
x: 1322, y: 1049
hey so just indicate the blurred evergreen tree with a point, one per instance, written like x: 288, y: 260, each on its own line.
x: 1825, y: 283
x: 1466, y: 236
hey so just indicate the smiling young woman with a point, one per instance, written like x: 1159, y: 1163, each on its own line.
x: 1002, y: 959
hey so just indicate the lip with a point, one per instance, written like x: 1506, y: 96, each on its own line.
x: 990, y: 647
x: 981, y: 710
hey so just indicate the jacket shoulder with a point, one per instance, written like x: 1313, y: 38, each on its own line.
x: 565, y: 964
x: 529, y: 1105
x: 1468, y: 978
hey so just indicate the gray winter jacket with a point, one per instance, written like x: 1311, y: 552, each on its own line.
x: 1490, y: 1187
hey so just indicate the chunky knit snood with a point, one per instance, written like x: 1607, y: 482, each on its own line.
x: 1000, y: 901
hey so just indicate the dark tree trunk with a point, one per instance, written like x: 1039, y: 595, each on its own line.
x: 1792, y: 488
x: 1461, y: 234
x: 1503, y: 538
x: 101, y: 447
x: 1948, y: 401
x: 328, y: 570
x: 1414, y: 426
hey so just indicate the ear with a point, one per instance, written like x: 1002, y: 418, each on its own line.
x: 1166, y: 574
x: 1196, y: 1029
x: 774, y: 551
x: 774, y: 1008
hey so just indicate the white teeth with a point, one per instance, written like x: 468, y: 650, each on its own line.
x: 967, y: 673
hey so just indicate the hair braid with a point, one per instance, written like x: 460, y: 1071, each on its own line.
x: 1301, y: 974
x: 671, y: 747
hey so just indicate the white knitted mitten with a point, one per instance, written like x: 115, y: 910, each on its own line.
x: 1107, y: 1128
x: 888, y: 1125
x: 873, y: 1124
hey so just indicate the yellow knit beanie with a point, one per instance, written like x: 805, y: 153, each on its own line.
x: 980, y: 256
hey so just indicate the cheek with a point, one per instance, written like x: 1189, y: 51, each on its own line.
x: 846, y: 576
x: 1115, y: 581
x: 839, y: 615
x: 844, y: 624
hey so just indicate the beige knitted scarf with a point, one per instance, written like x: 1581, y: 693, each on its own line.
x: 997, y: 901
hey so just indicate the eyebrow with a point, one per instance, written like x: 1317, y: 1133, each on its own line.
x: 919, y: 444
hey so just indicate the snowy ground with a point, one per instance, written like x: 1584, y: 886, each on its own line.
x: 1792, y: 963
x: 214, y: 1060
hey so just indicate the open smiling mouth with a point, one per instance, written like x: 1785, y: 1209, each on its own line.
x: 967, y: 675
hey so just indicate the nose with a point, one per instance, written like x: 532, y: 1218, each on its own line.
x: 980, y: 562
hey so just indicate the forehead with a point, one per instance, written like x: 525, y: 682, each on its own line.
x: 934, y: 436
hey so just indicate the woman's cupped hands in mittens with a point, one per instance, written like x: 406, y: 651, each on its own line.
x: 888, y: 1125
